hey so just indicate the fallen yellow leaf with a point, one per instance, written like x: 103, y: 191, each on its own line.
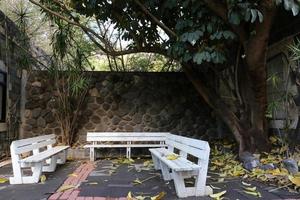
x: 65, y: 187
x: 218, y: 195
x: 295, y: 180
x: 140, y: 197
x: 172, y: 156
x: 92, y: 183
x: 129, y: 196
x: 246, y: 184
x: 255, y: 193
x: 137, y: 181
x: 160, y: 196
x: 3, y: 180
x: 43, y: 179
x: 72, y: 175
x: 251, y: 189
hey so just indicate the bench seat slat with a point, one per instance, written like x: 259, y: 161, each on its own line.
x: 123, y: 139
x: 180, y: 164
x: 126, y: 134
x: 122, y: 145
x: 43, y: 155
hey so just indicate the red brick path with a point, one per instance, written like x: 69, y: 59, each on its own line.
x: 80, y: 174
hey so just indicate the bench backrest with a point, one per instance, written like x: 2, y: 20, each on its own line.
x: 197, y: 148
x: 31, y: 144
x: 126, y: 136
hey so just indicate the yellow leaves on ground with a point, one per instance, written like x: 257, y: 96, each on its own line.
x: 251, y: 190
x: 278, y: 172
x: 218, y: 196
x: 43, y: 179
x: 65, y: 188
x: 275, y: 159
x: 246, y: 184
x: 129, y: 196
x: 224, y: 162
x: 72, y: 175
x: 137, y: 181
x: 295, y: 180
x: 3, y: 180
x: 273, y: 139
x: 254, y: 193
x: 160, y: 196
x: 172, y: 156
x: 148, y: 163
x: 120, y: 161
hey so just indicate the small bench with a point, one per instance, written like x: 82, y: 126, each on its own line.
x: 43, y: 157
x: 126, y: 140
x: 181, y: 167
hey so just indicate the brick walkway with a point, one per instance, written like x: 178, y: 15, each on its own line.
x: 79, y: 175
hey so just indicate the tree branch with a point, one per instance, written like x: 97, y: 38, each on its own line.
x: 70, y: 21
x: 160, y: 24
x: 92, y: 34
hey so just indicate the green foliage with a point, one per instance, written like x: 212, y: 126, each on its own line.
x: 201, y: 35
x: 295, y: 51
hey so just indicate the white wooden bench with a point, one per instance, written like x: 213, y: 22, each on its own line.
x: 126, y: 140
x: 43, y: 157
x: 182, y: 168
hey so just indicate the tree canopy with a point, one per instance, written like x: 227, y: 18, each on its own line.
x: 210, y: 39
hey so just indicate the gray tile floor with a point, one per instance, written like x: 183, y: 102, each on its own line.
x: 119, y: 183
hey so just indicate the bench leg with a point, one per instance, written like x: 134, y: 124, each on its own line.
x: 36, y: 173
x: 200, y: 183
x: 52, y: 164
x: 165, y: 172
x: 128, y: 151
x: 179, y: 185
x: 62, y: 157
x: 92, y: 154
x: 155, y: 162
x: 17, y: 171
x: 34, y: 178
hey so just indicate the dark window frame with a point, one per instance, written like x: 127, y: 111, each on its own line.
x: 4, y: 96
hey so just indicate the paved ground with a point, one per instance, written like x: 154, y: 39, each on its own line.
x: 34, y: 191
x: 96, y: 181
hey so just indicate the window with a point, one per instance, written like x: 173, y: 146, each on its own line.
x: 2, y: 96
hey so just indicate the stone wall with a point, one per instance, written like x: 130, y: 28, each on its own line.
x: 122, y: 102
x: 9, y: 64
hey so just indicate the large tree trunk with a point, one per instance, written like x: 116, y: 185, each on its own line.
x: 249, y: 128
x: 241, y: 134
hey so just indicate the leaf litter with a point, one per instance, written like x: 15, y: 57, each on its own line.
x: 225, y: 164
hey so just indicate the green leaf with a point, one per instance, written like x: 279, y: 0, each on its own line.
x: 234, y: 18
x: 192, y: 37
x: 228, y: 35
x: 198, y: 58
x: 254, y: 15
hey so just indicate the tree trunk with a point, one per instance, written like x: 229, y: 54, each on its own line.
x: 246, y: 136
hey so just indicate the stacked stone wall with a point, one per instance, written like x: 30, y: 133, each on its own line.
x: 140, y: 102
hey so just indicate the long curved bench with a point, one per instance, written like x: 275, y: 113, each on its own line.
x: 162, y: 145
